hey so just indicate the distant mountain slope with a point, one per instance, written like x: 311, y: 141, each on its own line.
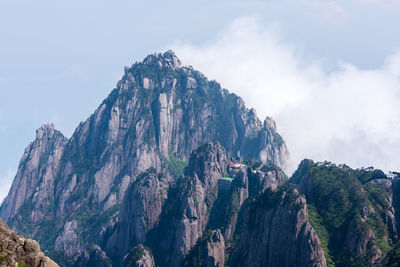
x: 68, y: 192
x: 353, y: 211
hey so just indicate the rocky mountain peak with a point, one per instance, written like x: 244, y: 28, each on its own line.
x: 209, y: 158
x: 161, y: 115
x: 36, y: 172
x: 47, y: 130
x: 269, y: 123
x: 167, y: 59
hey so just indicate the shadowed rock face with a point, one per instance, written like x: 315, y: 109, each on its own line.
x: 158, y: 114
x: 191, y: 202
x: 140, y: 212
x: 16, y: 250
x: 275, y: 231
x: 209, y: 251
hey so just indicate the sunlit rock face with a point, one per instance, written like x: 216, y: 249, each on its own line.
x: 18, y: 251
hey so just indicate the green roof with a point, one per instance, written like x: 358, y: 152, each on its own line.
x: 226, y: 178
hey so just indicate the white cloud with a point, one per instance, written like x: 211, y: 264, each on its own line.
x: 349, y: 115
x: 5, y: 183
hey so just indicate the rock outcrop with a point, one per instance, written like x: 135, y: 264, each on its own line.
x: 352, y: 209
x: 275, y: 231
x: 184, y: 223
x: 140, y: 212
x: 201, y: 210
x: 209, y: 251
x: 36, y: 176
x: 18, y: 251
x: 139, y: 256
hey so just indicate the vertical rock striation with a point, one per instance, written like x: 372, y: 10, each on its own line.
x: 186, y: 218
x: 275, y: 231
x: 140, y: 212
x: 36, y: 174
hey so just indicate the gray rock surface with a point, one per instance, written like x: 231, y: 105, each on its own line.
x: 275, y: 231
x: 140, y: 212
x: 215, y: 250
x: 18, y: 251
x: 209, y: 251
x: 201, y: 200
x: 195, y: 195
x: 37, y: 172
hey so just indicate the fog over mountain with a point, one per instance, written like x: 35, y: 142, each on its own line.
x: 325, y: 111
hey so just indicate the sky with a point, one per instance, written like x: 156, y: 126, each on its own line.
x: 327, y: 71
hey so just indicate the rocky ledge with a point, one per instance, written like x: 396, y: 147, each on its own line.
x: 18, y: 251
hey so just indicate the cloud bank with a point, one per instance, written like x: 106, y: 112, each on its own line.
x: 345, y: 114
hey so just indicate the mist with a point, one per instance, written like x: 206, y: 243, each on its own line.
x: 325, y: 110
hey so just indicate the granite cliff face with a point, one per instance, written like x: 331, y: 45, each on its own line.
x: 209, y: 251
x: 200, y: 214
x: 36, y: 175
x: 140, y: 212
x: 191, y: 203
x: 69, y: 193
x: 18, y: 251
x: 275, y: 231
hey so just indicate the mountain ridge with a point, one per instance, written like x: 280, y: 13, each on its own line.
x: 158, y: 114
x: 173, y: 170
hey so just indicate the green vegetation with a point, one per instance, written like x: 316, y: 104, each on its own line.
x: 175, y: 165
x: 338, y: 202
x: 46, y: 231
x: 135, y: 254
x: 21, y: 264
x: 278, y: 140
x: 24, y: 222
x: 2, y: 257
x: 224, y: 210
x: 323, y: 235
x: 336, y: 194
x: 378, y: 199
x: 91, y: 215
x: 393, y: 257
